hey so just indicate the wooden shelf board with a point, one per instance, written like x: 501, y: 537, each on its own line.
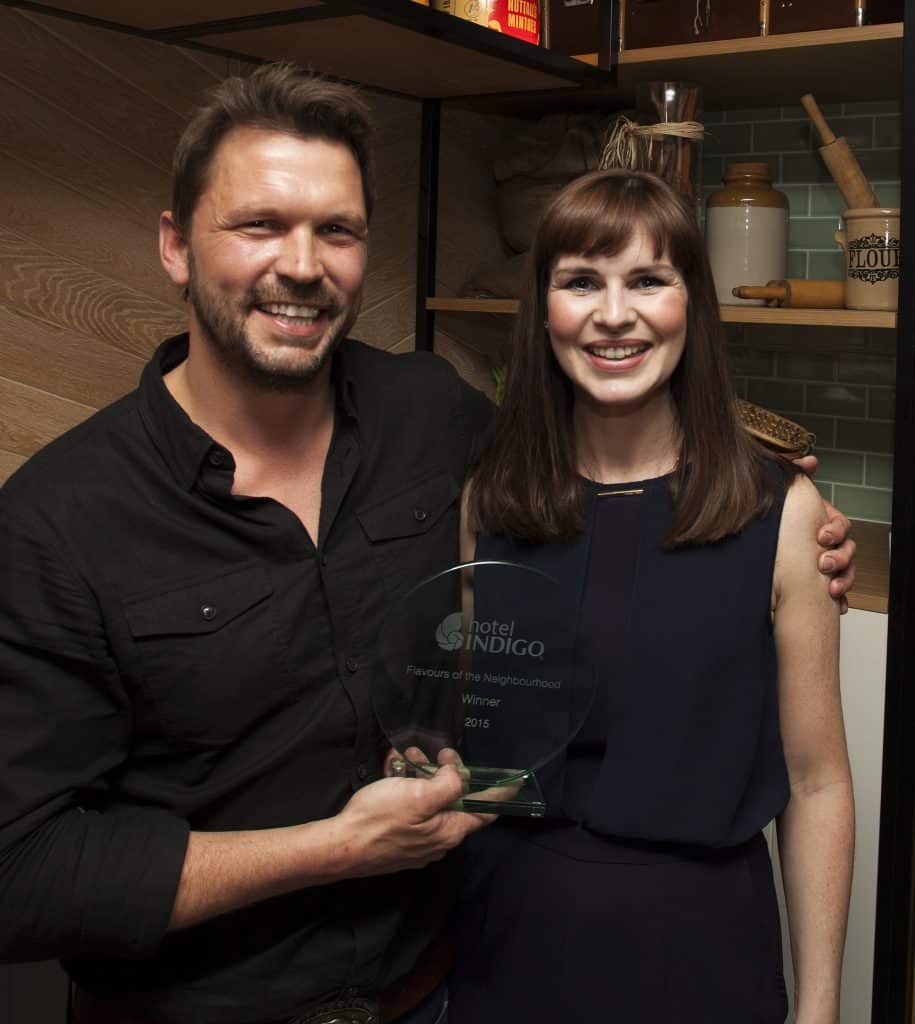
x: 447, y: 305
x: 729, y: 314
x: 361, y: 49
x: 872, y: 581
x: 770, y: 70
x: 764, y: 44
x: 396, y: 45
x: 807, y: 317
x: 165, y: 14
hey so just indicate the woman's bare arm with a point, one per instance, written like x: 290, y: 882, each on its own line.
x: 816, y: 830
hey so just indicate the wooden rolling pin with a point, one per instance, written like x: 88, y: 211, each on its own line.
x: 797, y: 293
x: 840, y: 161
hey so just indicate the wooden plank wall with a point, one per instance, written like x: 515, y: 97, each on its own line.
x: 89, y: 119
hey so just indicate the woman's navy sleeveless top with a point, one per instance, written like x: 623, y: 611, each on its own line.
x: 685, y: 723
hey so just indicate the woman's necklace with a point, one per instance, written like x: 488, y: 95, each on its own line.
x: 662, y: 469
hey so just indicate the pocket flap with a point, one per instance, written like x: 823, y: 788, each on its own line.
x: 411, y: 511
x: 200, y: 607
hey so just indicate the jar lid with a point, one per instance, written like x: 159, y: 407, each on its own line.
x: 748, y: 170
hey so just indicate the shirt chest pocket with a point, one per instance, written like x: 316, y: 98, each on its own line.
x: 209, y: 654
x: 414, y: 532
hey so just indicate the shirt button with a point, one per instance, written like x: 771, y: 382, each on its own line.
x: 216, y: 457
x: 352, y: 665
x: 419, y: 514
x: 362, y: 772
x: 208, y: 612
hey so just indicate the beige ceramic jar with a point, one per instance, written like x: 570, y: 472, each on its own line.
x: 746, y: 230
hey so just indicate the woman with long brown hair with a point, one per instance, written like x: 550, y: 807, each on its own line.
x: 646, y: 896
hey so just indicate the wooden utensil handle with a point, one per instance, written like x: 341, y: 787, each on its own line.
x: 810, y: 105
x: 846, y: 172
x: 797, y: 293
x: 761, y: 291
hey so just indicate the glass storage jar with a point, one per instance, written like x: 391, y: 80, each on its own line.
x: 669, y: 116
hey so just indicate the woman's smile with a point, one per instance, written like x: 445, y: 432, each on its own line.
x: 617, y: 357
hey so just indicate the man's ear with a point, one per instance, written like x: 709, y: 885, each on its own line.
x: 173, y: 251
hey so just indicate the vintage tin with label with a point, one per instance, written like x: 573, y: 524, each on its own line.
x: 476, y: 11
x: 518, y: 18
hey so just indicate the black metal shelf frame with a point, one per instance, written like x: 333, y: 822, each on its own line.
x: 895, y: 924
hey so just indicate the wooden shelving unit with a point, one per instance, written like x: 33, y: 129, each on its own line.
x: 753, y: 72
x: 808, y: 317
x: 729, y: 314
x: 395, y: 45
x: 770, y: 70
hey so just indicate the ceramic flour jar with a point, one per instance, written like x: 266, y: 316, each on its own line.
x: 746, y: 231
x: 870, y: 239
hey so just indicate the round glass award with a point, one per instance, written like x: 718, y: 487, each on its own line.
x: 482, y: 666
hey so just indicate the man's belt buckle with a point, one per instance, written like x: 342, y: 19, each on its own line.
x: 341, y: 1011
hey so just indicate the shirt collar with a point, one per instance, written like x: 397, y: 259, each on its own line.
x: 181, y: 443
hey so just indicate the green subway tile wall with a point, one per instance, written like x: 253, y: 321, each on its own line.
x: 864, y: 502
x: 842, y: 397
x: 879, y: 471
x: 882, y: 403
x: 845, y: 397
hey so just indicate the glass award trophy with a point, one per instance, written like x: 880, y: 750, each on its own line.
x: 481, y: 666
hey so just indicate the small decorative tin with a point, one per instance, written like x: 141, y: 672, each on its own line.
x: 476, y: 11
x: 518, y: 18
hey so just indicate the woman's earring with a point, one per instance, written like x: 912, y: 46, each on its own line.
x: 546, y: 326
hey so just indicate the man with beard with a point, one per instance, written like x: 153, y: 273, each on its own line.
x: 193, y: 813
x: 192, y: 583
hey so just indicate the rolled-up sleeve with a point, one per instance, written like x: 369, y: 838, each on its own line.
x: 80, y: 872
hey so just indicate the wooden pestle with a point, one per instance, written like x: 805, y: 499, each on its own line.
x: 797, y: 293
x: 840, y: 161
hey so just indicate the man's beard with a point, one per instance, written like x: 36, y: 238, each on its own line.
x: 223, y: 324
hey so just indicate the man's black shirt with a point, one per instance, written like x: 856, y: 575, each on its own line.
x: 175, y: 657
